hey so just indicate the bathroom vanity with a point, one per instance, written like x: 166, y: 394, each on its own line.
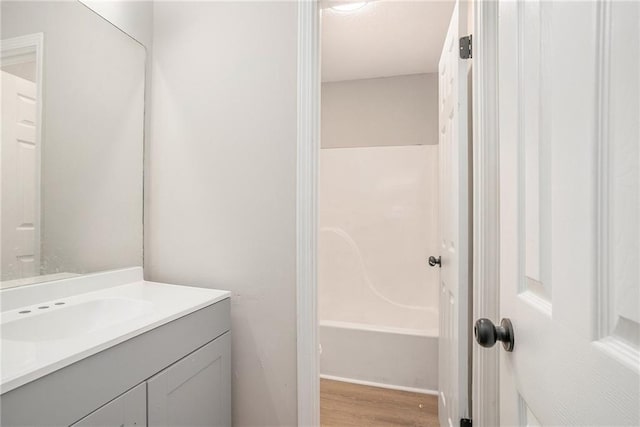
x: 110, y: 349
x: 85, y: 340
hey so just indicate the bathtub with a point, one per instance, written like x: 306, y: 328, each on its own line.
x: 397, y: 358
x: 378, y: 299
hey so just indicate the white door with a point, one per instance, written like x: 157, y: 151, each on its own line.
x: 569, y: 93
x: 20, y: 185
x: 453, y: 402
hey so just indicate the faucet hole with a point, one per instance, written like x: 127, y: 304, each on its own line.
x: 59, y: 303
x: 43, y: 307
x: 24, y: 311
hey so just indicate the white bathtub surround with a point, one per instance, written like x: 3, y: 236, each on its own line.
x: 377, y: 296
x: 378, y: 225
x: 49, y: 326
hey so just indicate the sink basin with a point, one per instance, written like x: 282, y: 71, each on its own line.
x: 65, y: 321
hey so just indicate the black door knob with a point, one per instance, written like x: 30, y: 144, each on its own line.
x: 433, y: 261
x: 487, y: 333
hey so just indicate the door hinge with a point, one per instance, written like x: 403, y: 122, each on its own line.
x: 465, y: 422
x: 466, y: 47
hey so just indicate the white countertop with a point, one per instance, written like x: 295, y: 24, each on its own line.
x: 81, y: 324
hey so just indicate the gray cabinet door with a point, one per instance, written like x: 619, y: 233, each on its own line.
x: 128, y: 410
x: 195, y: 391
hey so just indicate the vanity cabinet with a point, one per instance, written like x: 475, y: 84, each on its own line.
x: 177, y: 374
x: 194, y: 391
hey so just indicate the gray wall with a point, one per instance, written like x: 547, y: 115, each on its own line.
x: 221, y: 188
x: 400, y: 110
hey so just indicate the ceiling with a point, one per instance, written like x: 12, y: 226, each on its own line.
x: 384, y: 38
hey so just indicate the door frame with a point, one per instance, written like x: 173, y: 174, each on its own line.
x: 308, y: 152
x: 18, y: 47
x: 485, y: 393
x: 486, y: 208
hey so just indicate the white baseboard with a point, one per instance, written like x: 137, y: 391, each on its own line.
x: 381, y: 385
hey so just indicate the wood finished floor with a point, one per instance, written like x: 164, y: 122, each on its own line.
x: 345, y: 404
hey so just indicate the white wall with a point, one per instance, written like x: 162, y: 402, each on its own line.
x: 401, y: 110
x: 221, y: 193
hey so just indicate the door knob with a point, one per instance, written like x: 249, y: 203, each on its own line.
x: 433, y: 261
x: 487, y: 333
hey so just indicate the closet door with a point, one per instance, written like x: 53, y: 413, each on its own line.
x: 128, y: 410
x: 195, y: 391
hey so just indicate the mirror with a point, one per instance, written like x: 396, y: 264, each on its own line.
x: 71, y: 155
